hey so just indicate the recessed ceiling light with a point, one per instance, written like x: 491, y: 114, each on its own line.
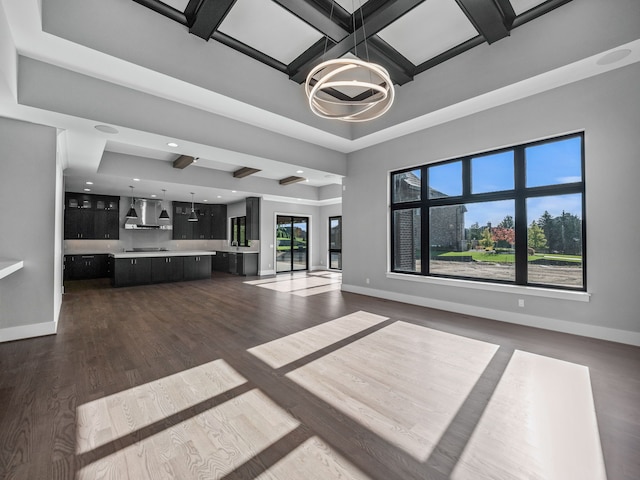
x: 172, y: 144
x: 233, y: 191
x: 89, y: 183
x: 136, y: 179
x: 205, y: 200
x: 106, y: 129
x: 87, y: 189
x: 219, y: 196
x: 299, y: 171
x: 153, y: 195
x: 613, y: 57
x: 307, y: 180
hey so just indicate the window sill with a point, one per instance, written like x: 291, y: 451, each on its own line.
x: 494, y: 287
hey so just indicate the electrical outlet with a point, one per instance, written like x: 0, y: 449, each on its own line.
x: 367, y: 280
x: 521, y: 302
x: 269, y: 265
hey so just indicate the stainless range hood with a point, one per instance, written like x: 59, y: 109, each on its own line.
x: 148, y: 211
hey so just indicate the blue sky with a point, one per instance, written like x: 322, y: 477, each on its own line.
x: 546, y: 164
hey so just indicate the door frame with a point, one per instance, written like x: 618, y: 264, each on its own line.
x: 333, y: 250
x: 309, y: 218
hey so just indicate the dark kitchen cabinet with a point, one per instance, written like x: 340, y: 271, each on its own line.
x: 253, y: 218
x: 91, y: 217
x: 211, y: 224
x: 218, y: 222
x: 106, y: 218
x: 167, y: 269
x: 202, y: 228
x: 233, y: 263
x: 78, y: 224
x: 106, y: 225
x: 237, y: 263
x: 131, y: 271
x: 83, y: 267
x: 241, y: 263
x: 197, y: 267
x: 220, y: 262
x: 182, y: 227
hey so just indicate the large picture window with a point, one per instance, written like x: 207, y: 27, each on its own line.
x: 510, y: 216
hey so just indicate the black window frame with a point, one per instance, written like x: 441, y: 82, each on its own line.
x: 335, y: 250
x: 236, y: 224
x: 519, y: 194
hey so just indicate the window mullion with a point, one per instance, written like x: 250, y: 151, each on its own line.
x: 522, y: 257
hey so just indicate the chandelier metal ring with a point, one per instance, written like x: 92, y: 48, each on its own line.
x: 331, y: 75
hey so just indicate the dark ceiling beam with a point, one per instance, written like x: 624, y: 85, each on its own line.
x: 209, y: 16
x: 449, y: 54
x: 486, y: 17
x: 191, y: 10
x: 314, y: 17
x: 538, y: 11
x: 507, y: 11
x: 376, y: 21
x: 399, y: 67
x: 183, y: 161
x: 291, y: 180
x: 249, y: 51
x: 163, y: 9
x: 245, y: 172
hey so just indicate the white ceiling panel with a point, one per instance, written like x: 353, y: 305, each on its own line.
x: 177, y: 4
x: 429, y: 30
x: 270, y: 29
x: 521, y: 6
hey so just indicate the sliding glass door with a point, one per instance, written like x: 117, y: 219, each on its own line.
x: 292, y: 234
x: 335, y: 243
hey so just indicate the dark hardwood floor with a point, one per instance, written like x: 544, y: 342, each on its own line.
x: 111, y: 341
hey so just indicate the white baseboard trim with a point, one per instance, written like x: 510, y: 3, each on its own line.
x: 585, y: 330
x: 28, y: 331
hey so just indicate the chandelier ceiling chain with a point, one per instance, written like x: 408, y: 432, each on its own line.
x: 348, y: 89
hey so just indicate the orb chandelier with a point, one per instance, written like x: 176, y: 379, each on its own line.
x: 349, y: 89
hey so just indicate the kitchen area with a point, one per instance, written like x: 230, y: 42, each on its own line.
x: 137, y: 241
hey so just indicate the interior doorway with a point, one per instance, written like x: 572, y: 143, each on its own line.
x: 292, y: 243
x: 335, y: 243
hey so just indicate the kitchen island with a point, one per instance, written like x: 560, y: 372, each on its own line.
x: 141, y: 268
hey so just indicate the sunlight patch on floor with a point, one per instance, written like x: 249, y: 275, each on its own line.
x: 302, y: 284
x: 313, y: 460
x: 540, y: 424
x: 104, y: 420
x: 208, y: 445
x: 285, y: 350
x: 403, y: 382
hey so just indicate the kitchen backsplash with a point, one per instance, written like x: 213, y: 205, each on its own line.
x: 148, y: 239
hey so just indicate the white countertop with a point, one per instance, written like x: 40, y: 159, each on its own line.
x: 233, y: 250
x: 175, y: 253
x: 7, y: 267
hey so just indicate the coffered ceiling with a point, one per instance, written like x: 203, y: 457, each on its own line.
x: 221, y: 79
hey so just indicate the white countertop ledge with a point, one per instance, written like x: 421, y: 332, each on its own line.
x: 7, y: 267
x: 177, y: 253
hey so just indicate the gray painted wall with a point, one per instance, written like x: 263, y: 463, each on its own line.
x: 607, y: 108
x: 28, y: 177
x: 318, y: 227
